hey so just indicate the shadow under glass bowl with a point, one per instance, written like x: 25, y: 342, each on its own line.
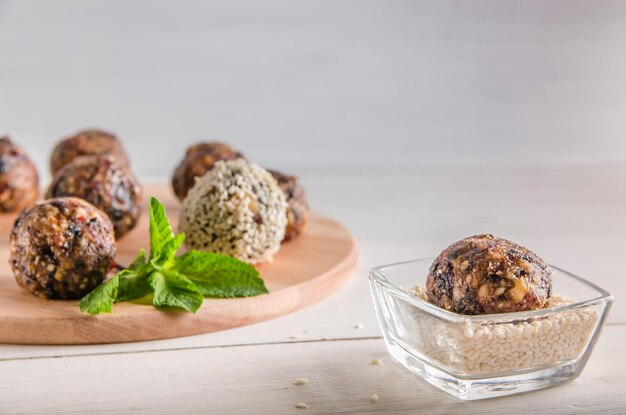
x: 485, y: 356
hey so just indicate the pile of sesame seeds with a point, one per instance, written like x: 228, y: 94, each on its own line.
x: 487, y: 347
x: 235, y: 209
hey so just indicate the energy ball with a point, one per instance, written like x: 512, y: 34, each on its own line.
x: 61, y: 248
x: 235, y: 209
x: 19, y: 181
x: 484, y: 274
x: 199, y: 159
x: 298, y: 207
x: 105, y: 183
x: 86, y: 143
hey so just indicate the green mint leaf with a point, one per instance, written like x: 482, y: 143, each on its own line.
x: 174, y: 290
x: 132, y: 286
x: 101, y: 299
x: 218, y: 275
x: 160, y: 229
x: 168, y: 252
x: 139, y: 262
x: 175, y: 281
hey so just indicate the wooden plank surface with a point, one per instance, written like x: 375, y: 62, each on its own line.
x: 260, y: 379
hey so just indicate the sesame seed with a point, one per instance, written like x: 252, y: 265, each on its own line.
x: 218, y: 214
x: 377, y: 362
x: 484, y: 347
x: 301, y: 381
x: 359, y: 326
x: 301, y: 405
x: 373, y: 398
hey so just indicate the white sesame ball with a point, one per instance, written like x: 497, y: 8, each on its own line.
x: 235, y: 209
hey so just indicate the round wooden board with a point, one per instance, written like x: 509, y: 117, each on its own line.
x: 305, y: 271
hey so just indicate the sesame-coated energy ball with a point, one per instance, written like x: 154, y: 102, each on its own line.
x: 235, y: 209
x: 298, y: 206
x: 19, y: 181
x: 61, y: 248
x: 86, y: 143
x: 484, y: 274
x: 199, y: 159
x: 105, y: 183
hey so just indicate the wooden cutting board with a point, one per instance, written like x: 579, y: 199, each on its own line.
x: 306, y: 270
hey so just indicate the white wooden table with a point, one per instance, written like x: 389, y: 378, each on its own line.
x: 573, y: 217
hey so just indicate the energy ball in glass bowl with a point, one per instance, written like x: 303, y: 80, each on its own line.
x: 485, y: 274
x: 199, y: 159
x: 19, y: 181
x: 105, y: 183
x: 86, y: 143
x: 235, y: 209
x: 61, y: 248
x: 298, y: 206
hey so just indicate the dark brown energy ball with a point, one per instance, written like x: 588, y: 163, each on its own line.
x: 19, y: 181
x: 298, y: 209
x: 61, y: 248
x: 484, y: 274
x: 199, y: 159
x: 105, y: 183
x: 86, y: 143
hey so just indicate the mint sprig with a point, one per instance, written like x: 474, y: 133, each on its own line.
x: 174, y: 281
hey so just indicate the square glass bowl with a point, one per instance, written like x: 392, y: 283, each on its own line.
x: 485, y: 356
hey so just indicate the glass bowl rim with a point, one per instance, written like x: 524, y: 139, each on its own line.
x: 377, y: 275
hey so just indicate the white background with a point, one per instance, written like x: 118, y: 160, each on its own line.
x: 312, y: 85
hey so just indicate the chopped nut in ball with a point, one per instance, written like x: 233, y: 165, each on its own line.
x: 19, y: 181
x: 104, y: 182
x: 485, y: 274
x: 199, y: 159
x: 86, y: 143
x: 61, y: 248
